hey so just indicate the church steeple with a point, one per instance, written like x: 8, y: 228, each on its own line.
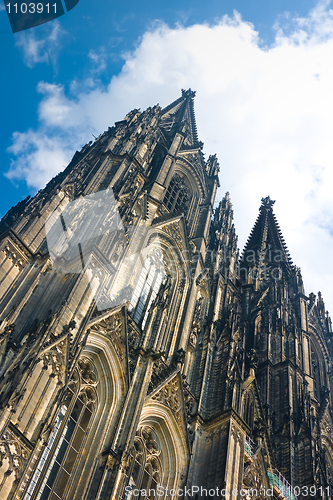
x: 265, y: 248
x: 179, y: 117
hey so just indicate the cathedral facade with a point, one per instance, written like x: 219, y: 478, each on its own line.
x: 140, y: 355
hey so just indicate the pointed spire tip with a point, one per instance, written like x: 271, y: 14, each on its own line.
x: 267, y: 202
x: 188, y: 93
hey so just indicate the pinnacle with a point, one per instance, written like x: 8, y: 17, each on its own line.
x: 266, y: 238
x: 267, y: 203
x: 179, y: 113
x: 188, y: 93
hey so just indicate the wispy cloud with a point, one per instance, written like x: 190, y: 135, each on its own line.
x: 267, y: 113
x: 41, y: 49
x: 99, y: 59
x: 39, y: 156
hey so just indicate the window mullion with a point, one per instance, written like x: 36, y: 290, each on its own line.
x: 59, y: 444
x: 41, y: 483
x: 55, y: 467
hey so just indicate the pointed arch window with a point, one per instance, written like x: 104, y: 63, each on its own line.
x: 74, y: 419
x: 146, y: 290
x: 145, y: 466
x: 177, y: 195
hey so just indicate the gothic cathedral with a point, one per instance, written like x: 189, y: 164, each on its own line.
x: 141, y: 356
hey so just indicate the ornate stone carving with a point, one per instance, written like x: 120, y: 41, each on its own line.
x: 236, y: 434
x: 253, y: 475
x: 190, y: 403
x: 112, y: 327
x: 161, y: 371
x: 13, y: 454
x: 173, y: 230
x: 267, y: 202
x: 14, y: 258
x: 87, y: 371
x: 169, y: 396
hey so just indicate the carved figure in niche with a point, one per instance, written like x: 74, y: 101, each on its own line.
x: 193, y: 338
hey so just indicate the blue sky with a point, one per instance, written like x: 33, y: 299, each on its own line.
x: 110, y: 29
x: 263, y: 74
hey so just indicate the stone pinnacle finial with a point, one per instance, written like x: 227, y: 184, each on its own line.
x: 188, y: 93
x: 267, y: 202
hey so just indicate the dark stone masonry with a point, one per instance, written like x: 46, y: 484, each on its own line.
x: 141, y: 356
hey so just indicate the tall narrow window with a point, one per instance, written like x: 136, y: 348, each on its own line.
x: 249, y: 409
x: 70, y: 429
x: 147, y: 288
x: 177, y: 195
x: 315, y: 375
x: 145, y: 469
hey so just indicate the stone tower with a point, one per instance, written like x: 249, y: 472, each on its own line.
x: 140, y: 355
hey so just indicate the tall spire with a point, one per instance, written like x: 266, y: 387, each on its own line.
x: 265, y: 247
x: 179, y: 117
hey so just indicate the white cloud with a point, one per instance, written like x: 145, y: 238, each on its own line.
x: 41, y: 49
x: 98, y: 59
x: 39, y: 157
x: 267, y: 113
